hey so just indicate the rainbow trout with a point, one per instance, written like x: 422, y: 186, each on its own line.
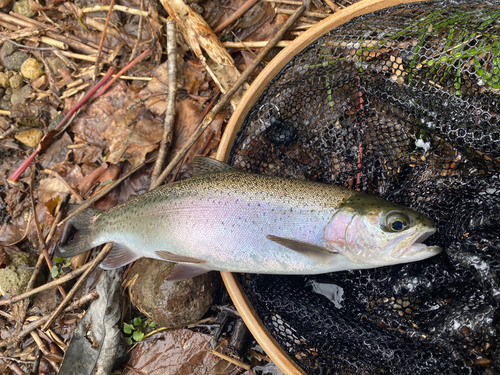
x: 227, y: 220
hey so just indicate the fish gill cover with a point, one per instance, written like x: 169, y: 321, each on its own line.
x: 403, y: 104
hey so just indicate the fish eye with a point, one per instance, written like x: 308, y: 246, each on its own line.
x: 397, y: 221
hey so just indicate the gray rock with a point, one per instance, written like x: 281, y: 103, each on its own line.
x: 5, y: 104
x: 20, y: 95
x: 171, y: 304
x: 55, y: 63
x: 7, y: 49
x: 15, y: 61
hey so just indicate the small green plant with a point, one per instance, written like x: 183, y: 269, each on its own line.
x: 135, y: 329
x: 61, y: 263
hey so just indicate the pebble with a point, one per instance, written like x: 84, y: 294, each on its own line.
x: 31, y: 69
x: 15, y: 61
x: 22, y: 7
x: 20, y: 95
x: 16, y: 82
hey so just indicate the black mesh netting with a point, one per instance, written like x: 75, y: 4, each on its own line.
x: 402, y: 103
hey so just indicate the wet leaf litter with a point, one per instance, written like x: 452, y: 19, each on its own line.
x: 64, y: 143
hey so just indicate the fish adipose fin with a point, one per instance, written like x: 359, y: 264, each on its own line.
x: 185, y: 271
x: 118, y: 257
x: 83, y: 242
x: 318, y: 253
x: 203, y: 165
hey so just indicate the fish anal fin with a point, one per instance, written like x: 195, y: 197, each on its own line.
x: 185, y: 271
x: 119, y: 257
x: 318, y: 253
x: 171, y: 257
x: 203, y: 165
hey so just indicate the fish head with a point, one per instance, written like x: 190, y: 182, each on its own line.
x: 373, y: 232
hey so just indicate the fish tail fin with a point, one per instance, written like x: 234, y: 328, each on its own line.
x: 84, y: 223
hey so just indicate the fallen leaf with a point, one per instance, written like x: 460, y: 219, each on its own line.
x: 71, y: 173
x: 56, y: 153
x: 132, y: 140
x: 50, y: 188
x: 176, y: 352
x: 90, y: 180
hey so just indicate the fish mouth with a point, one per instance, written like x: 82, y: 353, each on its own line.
x: 418, y: 250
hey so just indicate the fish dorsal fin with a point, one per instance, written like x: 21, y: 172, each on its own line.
x: 203, y: 165
x: 318, y: 253
x: 185, y: 271
x: 171, y: 257
x: 119, y: 257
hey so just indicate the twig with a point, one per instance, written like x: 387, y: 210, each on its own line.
x: 225, y: 99
x: 289, y: 2
x: 19, y: 171
x: 9, y: 131
x: 73, y: 91
x: 98, y: 259
x: 101, y: 44
x: 139, y: 33
x: 132, y: 78
x: 172, y: 90
x: 7, y: 316
x: 78, y: 56
x: 13, y: 366
x: 39, y: 322
x: 41, y: 242
x: 233, y: 17
x: 43, y: 349
x: 332, y: 5
x: 60, y: 280
x: 282, y: 43
x: 36, y: 362
x: 88, y: 202
x: 131, y: 64
x: 29, y: 47
x: 58, y: 176
x: 58, y: 212
x: 306, y: 14
x: 230, y: 359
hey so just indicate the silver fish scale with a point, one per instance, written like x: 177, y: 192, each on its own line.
x: 224, y: 218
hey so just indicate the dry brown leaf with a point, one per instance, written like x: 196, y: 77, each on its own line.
x: 57, y: 152
x: 130, y: 140
x: 13, y: 232
x: 71, y: 173
x: 30, y: 137
x: 90, y: 180
x: 98, y: 115
x: 50, y: 188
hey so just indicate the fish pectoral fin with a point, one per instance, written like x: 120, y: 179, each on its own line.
x: 203, y: 165
x: 185, y: 271
x: 171, y: 257
x: 118, y: 257
x: 318, y: 253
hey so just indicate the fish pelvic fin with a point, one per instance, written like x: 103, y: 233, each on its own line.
x: 84, y: 223
x: 182, y: 271
x: 119, y: 256
x: 203, y: 165
x: 318, y: 253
